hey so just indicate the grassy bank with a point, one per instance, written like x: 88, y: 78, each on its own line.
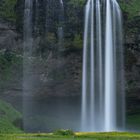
x: 77, y: 136
x: 9, y: 118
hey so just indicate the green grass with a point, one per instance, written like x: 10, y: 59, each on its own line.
x: 8, y: 118
x: 78, y: 136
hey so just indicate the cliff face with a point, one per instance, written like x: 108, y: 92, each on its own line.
x: 132, y: 62
x: 7, y: 36
x: 60, y: 75
x: 10, y: 61
x: 131, y: 17
x: 54, y: 73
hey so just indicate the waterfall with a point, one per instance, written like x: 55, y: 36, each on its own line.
x: 61, y: 2
x: 110, y: 108
x: 36, y: 15
x: 103, y: 97
x: 27, y: 53
x: 60, y: 28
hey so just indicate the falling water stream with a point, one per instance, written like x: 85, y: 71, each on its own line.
x: 36, y: 15
x: 27, y: 54
x: 103, y: 98
x: 60, y: 28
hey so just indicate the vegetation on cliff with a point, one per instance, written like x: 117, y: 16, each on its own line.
x: 8, y: 61
x: 131, y: 8
x: 7, y: 10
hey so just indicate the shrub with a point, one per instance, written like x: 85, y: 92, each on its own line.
x: 63, y: 132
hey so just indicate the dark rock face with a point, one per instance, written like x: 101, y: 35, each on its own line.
x: 10, y: 62
x: 62, y: 76
x: 9, y: 37
x: 53, y: 74
x: 132, y: 64
x: 56, y: 76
